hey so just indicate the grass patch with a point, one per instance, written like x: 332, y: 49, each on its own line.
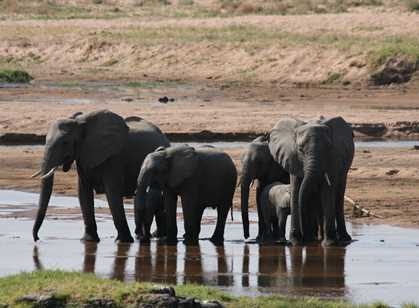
x: 14, y: 76
x: 394, y: 47
x: 77, y: 289
x: 412, y: 5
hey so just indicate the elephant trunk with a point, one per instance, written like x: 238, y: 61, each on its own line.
x: 309, y: 185
x: 244, y: 187
x: 44, y: 197
x: 144, y: 180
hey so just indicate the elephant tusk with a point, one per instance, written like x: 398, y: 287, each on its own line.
x: 51, y: 172
x: 36, y: 174
x: 326, y: 176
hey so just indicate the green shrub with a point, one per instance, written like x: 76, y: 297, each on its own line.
x: 15, y: 76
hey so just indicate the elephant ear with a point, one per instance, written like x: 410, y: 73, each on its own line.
x: 104, y: 135
x: 184, y: 161
x: 282, y: 145
x: 342, y: 138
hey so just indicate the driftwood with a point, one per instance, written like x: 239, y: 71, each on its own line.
x: 360, y: 211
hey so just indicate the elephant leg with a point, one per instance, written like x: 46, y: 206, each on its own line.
x: 222, y: 213
x: 267, y: 223
x: 343, y: 234
x: 160, y: 223
x: 329, y: 216
x: 295, y: 231
x: 282, y: 222
x: 189, y: 209
x: 261, y: 225
x: 116, y: 205
x: 275, y: 227
x: 88, y: 210
x: 170, y: 205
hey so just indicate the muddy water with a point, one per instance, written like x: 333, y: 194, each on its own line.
x: 383, y: 264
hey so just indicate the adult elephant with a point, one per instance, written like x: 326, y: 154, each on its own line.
x: 318, y: 155
x: 258, y: 164
x: 108, y: 151
x: 202, y: 177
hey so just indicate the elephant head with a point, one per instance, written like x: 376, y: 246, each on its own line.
x: 257, y: 163
x: 312, y: 151
x: 165, y: 167
x: 88, y: 139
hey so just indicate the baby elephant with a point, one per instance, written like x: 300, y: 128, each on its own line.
x: 275, y: 205
x: 201, y: 177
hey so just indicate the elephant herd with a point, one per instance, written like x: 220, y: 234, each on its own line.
x: 300, y: 167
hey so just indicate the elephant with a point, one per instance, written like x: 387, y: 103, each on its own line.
x: 202, y: 177
x: 258, y: 164
x: 108, y: 152
x: 318, y: 155
x: 275, y: 206
x: 154, y: 208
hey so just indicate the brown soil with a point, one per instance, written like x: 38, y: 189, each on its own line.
x: 394, y: 197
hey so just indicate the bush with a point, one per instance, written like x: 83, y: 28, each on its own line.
x: 15, y: 76
x: 413, y: 5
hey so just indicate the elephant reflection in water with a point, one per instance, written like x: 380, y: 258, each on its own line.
x: 89, y: 263
x: 120, y: 261
x: 319, y: 268
x: 272, y: 266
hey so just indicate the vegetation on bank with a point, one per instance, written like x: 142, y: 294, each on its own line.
x: 105, y: 9
x: 76, y: 289
x: 14, y: 76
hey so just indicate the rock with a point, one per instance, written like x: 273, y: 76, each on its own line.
x: 100, y: 303
x: 164, y: 290
x: 188, y: 303
x: 211, y: 304
x: 163, y: 100
x: 416, y: 147
x: 392, y: 172
x: 394, y: 70
x: 127, y: 99
x: 43, y: 301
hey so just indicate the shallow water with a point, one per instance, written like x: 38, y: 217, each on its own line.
x: 383, y: 264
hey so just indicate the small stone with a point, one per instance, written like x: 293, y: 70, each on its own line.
x: 127, y: 99
x: 416, y: 147
x: 188, y: 303
x: 163, y: 100
x: 392, y: 172
x: 211, y: 304
x: 164, y: 290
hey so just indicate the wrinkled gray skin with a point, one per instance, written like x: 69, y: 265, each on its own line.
x: 318, y: 155
x: 258, y: 164
x: 275, y: 206
x: 202, y: 177
x: 154, y: 208
x: 108, y: 152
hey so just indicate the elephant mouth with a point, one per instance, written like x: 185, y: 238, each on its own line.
x: 67, y: 165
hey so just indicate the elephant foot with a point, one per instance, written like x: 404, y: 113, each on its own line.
x: 125, y: 238
x: 345, y: 238
x: 217, y: 241
x: 90, y: 237
x: 157, y: 234
x: 330, y: 243
x: 168, y: 240
x: 295, y: 241
x: 191, y: 242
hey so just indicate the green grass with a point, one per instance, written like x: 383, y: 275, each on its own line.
x: 14, y: 76
x: 77, y: 289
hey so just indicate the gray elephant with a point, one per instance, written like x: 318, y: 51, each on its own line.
x: 108, y: 151
x: 275, y: 206
x: 258, y: 164
x: 202, y: 177
x: 318, y: 155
